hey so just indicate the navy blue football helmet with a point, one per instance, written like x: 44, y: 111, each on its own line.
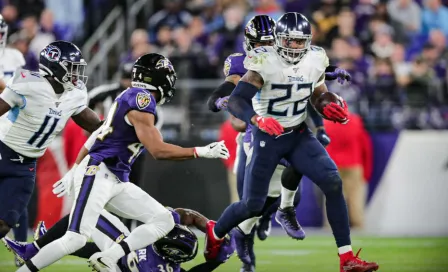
x: 178, y: 246
x: 3, y: 33
x: 293, y: 36
x: 64, y: 62
x: 155, y: 72
x: 259, y: 30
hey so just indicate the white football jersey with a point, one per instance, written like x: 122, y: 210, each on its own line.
x: 10, y: 60
x: 38, y: 114
x: 287, y: 87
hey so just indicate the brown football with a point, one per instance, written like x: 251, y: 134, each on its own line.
x: 324, y: 100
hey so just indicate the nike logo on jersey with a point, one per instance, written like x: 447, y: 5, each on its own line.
x: 22, y: 74
x: 31, y: 169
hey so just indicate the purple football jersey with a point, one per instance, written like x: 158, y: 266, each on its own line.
x: 234, y: 65
x: 149, y: 261
x: 117, y: 145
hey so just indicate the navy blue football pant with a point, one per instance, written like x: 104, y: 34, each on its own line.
x: 307, y: 156
x: 17, y: 177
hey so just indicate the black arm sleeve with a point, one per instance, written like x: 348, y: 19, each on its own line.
x: 205, y: 267
x: 223, y: 90
x: 329, y: 69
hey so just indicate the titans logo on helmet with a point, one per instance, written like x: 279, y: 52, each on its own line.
x: 52, y: 53
x: 165, y: 63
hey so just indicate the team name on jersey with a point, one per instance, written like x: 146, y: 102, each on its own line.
x: 55, y: 112
x: 295, y: 78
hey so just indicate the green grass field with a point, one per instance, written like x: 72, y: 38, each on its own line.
x: 314, y: 254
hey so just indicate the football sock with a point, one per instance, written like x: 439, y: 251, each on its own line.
x: 57, y: 231
x: 247, y: 225
x: 344, y: 249
x: 287, y: 198
x: 86, y: 251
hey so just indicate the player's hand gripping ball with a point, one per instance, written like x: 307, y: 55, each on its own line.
x: 332, y: 107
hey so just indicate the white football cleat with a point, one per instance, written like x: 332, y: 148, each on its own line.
x: 101, y: 263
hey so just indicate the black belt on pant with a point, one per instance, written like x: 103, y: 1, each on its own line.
x: 300, y: 126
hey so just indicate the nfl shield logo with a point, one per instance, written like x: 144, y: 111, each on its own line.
x: 143, y: 100
x: 262, y: 143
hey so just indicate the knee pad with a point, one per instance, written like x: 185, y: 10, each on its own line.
x: 164, y: 222
x: 291, y: 178
x: 332, y: 184
x: 73, y: 241
x: 254, y: 206
x: 4, y: 229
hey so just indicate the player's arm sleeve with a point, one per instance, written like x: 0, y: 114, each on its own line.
x: 233, y: 70
x: 317, y: 119
x: 84, y: 100
x: 12, y: 97
x: 239, y: 104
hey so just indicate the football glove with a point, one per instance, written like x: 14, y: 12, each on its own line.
x: 269, y: 125
x: 336, y: 113
x: 64, y: 185
x: 222, y: 102
x: 322, y: 136
x: 216, y: 150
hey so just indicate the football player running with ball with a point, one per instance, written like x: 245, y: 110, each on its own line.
x: 101, y: 180
x: 284, y: 192
x: 278, y: 84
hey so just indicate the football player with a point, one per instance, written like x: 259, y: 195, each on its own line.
x: 180, y: 245
x: 10, y: 60
x: 34, y: 108
x: 259, y: 31
x: 102, y: 178
x: 279, y: 82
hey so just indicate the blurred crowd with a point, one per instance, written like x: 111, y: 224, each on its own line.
x: 396, y: 50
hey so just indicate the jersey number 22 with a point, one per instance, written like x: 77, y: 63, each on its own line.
x: 290, y: 88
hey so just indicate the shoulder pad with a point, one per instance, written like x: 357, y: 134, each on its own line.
x: 141, y: 100
x: 18, y: 57
x: 19, y: 82
x: 319, y: 56
x: 261, y: 60
x: 234, y: 65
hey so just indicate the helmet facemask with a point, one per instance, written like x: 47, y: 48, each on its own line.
x: 292, y: 47
x: 75, y: 73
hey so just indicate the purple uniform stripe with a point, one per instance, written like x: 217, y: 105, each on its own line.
x: 81, y: 201
x: 106, y: 227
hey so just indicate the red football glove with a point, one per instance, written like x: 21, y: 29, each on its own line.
x: 336, y: 113
x: 269, y: 125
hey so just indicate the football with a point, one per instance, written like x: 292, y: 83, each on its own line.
x: 326, y: 99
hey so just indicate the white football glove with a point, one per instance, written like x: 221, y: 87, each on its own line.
x: 216, y: 150
x: 64, y: 185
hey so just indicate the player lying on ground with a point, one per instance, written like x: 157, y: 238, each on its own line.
x: 180, y: 245
x: 101, y: 180
x: 34, y: 108
x: 281, y: 79
x: 259, y: 31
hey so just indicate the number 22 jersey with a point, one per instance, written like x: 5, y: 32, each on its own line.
x: 117, y: 144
